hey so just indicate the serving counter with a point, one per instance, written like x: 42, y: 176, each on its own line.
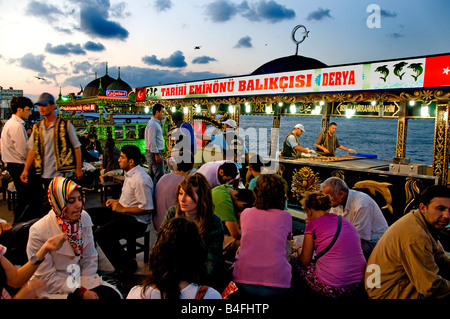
x: 395, y: 192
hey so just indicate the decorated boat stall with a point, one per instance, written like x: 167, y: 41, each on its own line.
x: 401, y: 89
x: 106, y: 108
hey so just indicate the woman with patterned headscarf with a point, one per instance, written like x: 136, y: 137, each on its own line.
x: 71, y: 270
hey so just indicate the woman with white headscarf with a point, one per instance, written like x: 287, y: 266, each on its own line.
x: 70, y: 271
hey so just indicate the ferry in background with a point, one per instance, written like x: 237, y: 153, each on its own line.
x: 106, y: 108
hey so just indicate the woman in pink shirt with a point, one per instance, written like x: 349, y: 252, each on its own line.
x: 339, y: 271
x: 262, y: 264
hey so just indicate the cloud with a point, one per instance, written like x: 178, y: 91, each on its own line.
x: 65, y: 49
x: 176, y: 60
x: 151, y: 60
x: 139, y: 77
x: 63, y: 30
x: 387, y: 14
x: 203, y: 60
x: 94, y: 21
x: 33, y: 62
x: 77, y: 81
x: 81, y: 67
x: 221, y: 10
x: 271, y: 11
x: 91, y: 46
x: 163, y: 5
x: 245, y: 42
x: 61, y: 20
x: 319, y: 14
x: 94, y: 17
x: 42, y: 10
x: 118, y: 10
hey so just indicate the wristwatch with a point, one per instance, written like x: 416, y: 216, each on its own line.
x: 35, y: 261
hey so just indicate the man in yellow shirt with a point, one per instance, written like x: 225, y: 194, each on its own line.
x: 409, y: 261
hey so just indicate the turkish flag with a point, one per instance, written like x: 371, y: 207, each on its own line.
x: 437, y: 71
x: 199, y: 128
x: 140, y: 94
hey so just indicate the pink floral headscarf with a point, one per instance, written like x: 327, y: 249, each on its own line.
x: 58, y: 192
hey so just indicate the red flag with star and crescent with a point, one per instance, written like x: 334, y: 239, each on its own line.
x: 437, y: 71
x: 140, y: 94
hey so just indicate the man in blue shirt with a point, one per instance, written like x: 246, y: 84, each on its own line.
x: 154, y: 144
x: 230, y: 143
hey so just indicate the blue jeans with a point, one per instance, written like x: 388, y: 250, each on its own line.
x: 155, y: 170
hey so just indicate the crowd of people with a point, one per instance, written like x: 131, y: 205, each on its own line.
x: 215, y: 238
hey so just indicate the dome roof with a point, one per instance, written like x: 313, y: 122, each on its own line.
x: 119, y: 84
x: 92, y: 88
x: 289, y: 63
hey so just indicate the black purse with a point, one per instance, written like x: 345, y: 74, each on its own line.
x: 336, y: 235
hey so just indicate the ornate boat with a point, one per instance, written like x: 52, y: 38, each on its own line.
x: 401, y: 89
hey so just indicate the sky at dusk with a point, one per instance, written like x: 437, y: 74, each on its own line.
x: 66, y: 42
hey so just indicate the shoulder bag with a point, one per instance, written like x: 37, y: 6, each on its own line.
x: 336, y: 235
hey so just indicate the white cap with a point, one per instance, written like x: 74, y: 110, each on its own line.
x: 230, y: 122
x: 300, y: 126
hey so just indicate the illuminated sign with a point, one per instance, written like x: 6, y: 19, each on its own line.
x: 396, y: 74
x: 116, y: 93
x: 367, y: 109
x: 90, y: 107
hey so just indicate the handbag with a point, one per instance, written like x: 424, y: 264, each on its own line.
x: 231, y: 288
x: 336, y: 235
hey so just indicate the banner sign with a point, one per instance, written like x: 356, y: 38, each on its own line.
x: 396, y: 74
x: 89, y: 107
x: 9, y: 93
x: 116, y: 93
x: 366, y: 109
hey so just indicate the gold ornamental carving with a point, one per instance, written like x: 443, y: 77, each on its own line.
x: 412, y: 192
x: 425, y: 95
x: 441, y: 146
x: 401, y: 143
x: 304, y: 180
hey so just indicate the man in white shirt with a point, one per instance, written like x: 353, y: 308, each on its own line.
x: 360, y: 209
x: 154, y: 144
x: 220, y: 172
x: 127, y: 216
x: 14, y: 154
